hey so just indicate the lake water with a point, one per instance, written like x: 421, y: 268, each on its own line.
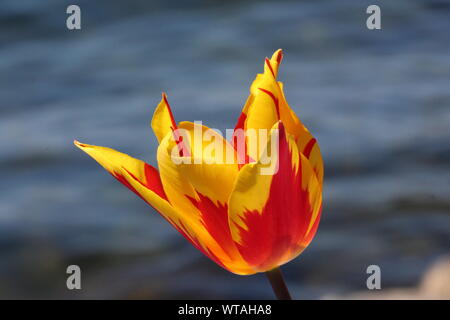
x: 377, y: 101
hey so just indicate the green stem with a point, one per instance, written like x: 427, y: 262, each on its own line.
x: 278, y: 285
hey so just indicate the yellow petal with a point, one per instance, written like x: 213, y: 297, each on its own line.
x: 213, y: 167
x: 262, y: 108
x: 144, y: 180
x: 204, y: 213
x: 267, y: 104
x: 163, y: 121
x: 275, y: 61
x: 206, y: 170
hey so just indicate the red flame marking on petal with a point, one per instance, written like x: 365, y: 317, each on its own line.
x: 284, y: 220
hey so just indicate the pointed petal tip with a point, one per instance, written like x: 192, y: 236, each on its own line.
x: 79, y: 144
x: 162, y: 120
x: 82, y: 146
x: 278, y: 55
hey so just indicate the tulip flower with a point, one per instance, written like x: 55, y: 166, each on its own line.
x: 245, y: 221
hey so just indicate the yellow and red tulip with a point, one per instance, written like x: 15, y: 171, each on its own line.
x: 244, y: 221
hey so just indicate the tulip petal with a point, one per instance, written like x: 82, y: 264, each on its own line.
x: 144, y: 180
x: 213, y: 167
x: 205, y: 207
x: 274, y: 217
x: 212, y: 171
x: 266, y: 105
x: 261, y: 110
x: 163, y: 121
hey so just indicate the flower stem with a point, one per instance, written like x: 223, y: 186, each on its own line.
x: 278, y: 285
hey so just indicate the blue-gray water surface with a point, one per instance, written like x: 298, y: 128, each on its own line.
x: 377, y: 101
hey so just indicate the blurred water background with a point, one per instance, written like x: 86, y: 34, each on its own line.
x: 378, y: 102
